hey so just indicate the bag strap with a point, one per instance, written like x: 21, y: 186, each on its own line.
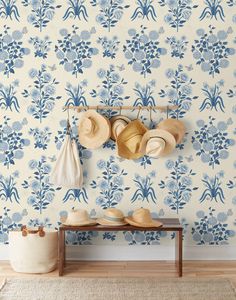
x: 25, y: 231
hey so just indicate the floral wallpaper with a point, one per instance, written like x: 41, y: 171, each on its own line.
x: 119, y: 52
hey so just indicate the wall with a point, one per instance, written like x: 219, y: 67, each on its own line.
x: 120, y: 53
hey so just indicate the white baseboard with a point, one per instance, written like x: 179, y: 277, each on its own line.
x: 154, y: 252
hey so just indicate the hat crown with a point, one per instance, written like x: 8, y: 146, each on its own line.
x: 113, y: 212
x: 142, y: 215
x: 79, y: 215
x: 88, y: 125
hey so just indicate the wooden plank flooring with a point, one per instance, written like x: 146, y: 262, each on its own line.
x: 159, y: 269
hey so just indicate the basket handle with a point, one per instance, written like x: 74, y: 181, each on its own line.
x: 25, y: 231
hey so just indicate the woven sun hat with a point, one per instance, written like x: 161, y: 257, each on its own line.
x: 94, y: 129
x: 157, y: 142
x: 173, y: 126
x: 128, y: 141
x: 142, y: 218
x: 118, y: 123
x: 79, y: 217
x: 113, y: 217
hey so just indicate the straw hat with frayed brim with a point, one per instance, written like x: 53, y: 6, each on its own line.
x: 128, y: 141
x: 118, y: 123
x: 175, y: 127
x: 113, y: 217
x: 79, y: 217
x: 142, y: 218
x: 157, y: 142
x: 94, y: 129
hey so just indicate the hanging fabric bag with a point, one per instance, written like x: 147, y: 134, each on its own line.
x: 68, y: 171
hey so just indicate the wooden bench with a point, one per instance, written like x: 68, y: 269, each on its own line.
x: 171, y: 224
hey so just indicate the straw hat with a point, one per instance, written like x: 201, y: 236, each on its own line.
x: 79, y: 217
x: 142, y: 218
x: 118, y: 123
x: 94, y: 129
x: 157, y: 142
x: 129, y: 139
x: 113, y: 217
x: 175, y: 127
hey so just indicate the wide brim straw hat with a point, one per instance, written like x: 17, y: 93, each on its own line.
x: 157, y: 142
x: 118, y: 123
x: 94, y: 129
x: 79, y: 217
x: 112, y: 217
x: 142, y: 218
x: 128, y: 141
x: 173, y: 126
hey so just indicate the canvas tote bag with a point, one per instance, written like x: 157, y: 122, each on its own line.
x: 68, y: 171
x: 33, y: 250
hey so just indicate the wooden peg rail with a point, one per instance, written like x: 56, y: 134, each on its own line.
x: 98, y: 107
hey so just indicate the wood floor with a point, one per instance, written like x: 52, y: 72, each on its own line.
x: 224, y: 269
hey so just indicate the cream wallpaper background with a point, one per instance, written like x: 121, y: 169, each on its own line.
x: 119, y: 52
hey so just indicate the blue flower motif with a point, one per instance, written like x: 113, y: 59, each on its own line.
x: 211, y: 229
x: 75, y: 51
x: 143, y: 52
x: 11, y: 44
x: 211, y: 51
x: 211, y: 142
x: 179, y: 12
x: 179, y: 184
x: 110, y: 185
x: 110, y: 12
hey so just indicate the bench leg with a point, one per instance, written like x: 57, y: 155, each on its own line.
x: 179, y: 252
x: 61, y: 251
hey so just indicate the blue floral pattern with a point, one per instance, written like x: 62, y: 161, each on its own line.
x: 41, y: 46
x: 42, y: 95
x: 110, y: 46
x: 213, y: 98
x: 111, y: 93
x: 111, y: 12
x: 9, y: 9
x: 8, y: 188
x: 8, y: 98
x: 12, y: 141
x: 75, y: 50
x: 110, y: 183
x: 143, y: 51
x: 180, y: 92
x: 41, y: 137
x: 10, y: 221
x: 211, y: 50
x: 145, y: 190
x: 42, y: 191
x: 179, y: 12
x: 144, y: 9
x: 211, y: 229
x: 179, y: 184
x: 213, y: 9
x: 178, y: 46
x: 213, y: 189
x: 12, y: 51
x: 42, y: 12
x: 76, y: 9
x: 211, y: 142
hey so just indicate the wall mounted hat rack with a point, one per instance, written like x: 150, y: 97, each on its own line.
x: 98, y: 107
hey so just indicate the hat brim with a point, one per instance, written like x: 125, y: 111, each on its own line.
x: 154, y: 223
x: 116, y: 118
x: 175, y: 127
x: 102, y: 221
x: 165, y: 135
x: 87, y: 223
x: 102, y: 134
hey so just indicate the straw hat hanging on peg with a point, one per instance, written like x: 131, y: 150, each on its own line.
x: 94, y: 129
x: 173, y: 126
x: 157, y: 142
x: 128, y: 141
x: 118, y: 123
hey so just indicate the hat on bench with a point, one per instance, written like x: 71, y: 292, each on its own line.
x: 142, y: 218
